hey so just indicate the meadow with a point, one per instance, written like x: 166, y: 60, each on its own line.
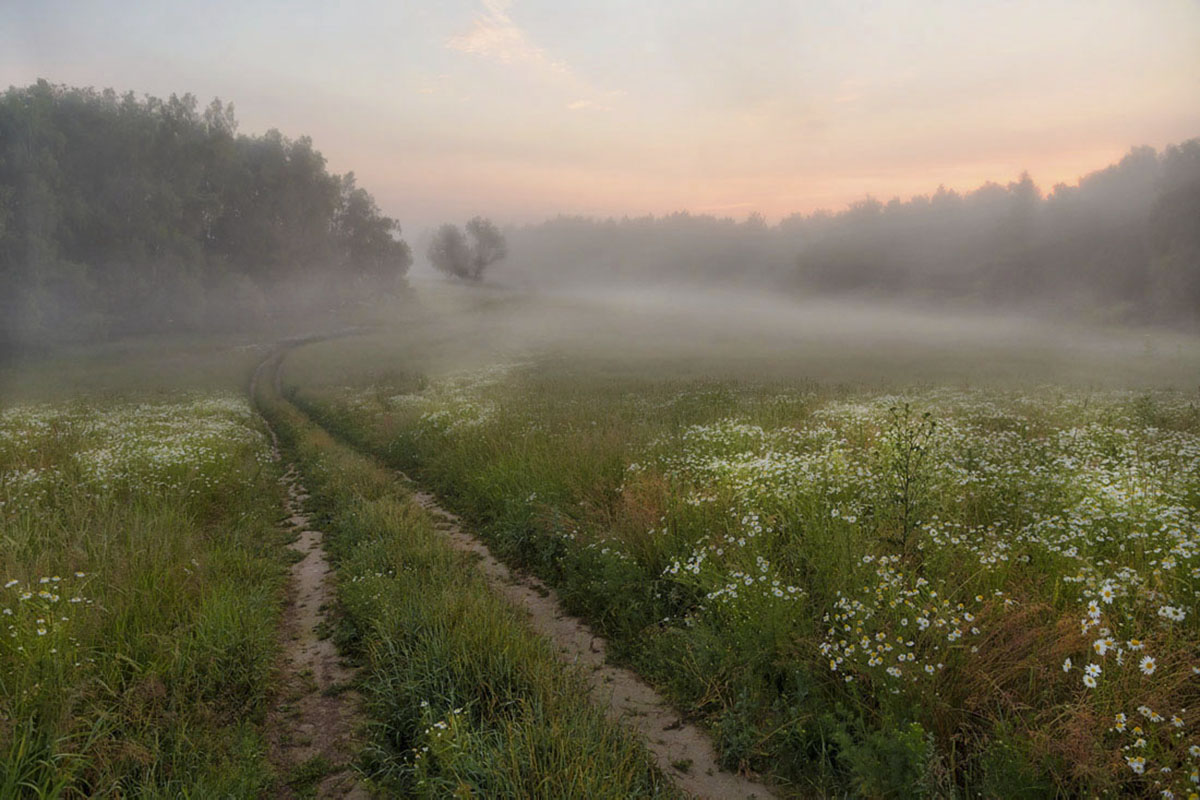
x: 142, y: 570
x: 874, y: 555
x: 144, y: 575
x: 952, y: 578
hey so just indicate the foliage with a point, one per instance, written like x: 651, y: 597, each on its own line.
x: 1123, y: 243
x: 904, y: 452
x: 120, y: 215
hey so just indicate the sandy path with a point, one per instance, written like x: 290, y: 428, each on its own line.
x: 681, y: 749
x: 317, y: 716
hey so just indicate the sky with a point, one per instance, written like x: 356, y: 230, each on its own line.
x: 525, y: 109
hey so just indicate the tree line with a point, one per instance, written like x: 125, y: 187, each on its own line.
x: 1121, y: 244
x: 121, y: 214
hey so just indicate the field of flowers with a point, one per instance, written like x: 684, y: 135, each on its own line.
x: 937, y: 591
x: 140, y: 578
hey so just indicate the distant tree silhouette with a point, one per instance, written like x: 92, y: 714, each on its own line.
x: 451, y: 253
x: 487, y: 247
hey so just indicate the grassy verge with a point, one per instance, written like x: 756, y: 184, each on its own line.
x: 142, y: 568
x: 463, y: 699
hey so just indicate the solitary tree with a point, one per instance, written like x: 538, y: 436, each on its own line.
x: 451, y: 253
x: 487, y: 245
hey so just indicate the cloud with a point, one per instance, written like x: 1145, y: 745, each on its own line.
x: 587, y: 105
x: 495, y: 36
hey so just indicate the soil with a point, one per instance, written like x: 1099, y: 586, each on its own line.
x: 316, y: 726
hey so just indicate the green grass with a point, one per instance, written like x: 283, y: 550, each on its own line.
x: 463, y: 699
x: 305, y: 777
x: 143, y: 573
x: 133, y: 369
x: 646, y: 466
x: 602, y: 338
x: 738, y: 538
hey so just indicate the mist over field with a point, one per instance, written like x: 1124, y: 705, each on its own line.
x: 1121, y: 244
x: 600, y: 400
x: 121, y: 216
x: 691, y: 332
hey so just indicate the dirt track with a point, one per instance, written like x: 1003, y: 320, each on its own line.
x: 315, y: 726
x: 681, y: 749
x: 318, y: 716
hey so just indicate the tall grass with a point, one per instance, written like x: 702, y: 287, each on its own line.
x: 142, y: 570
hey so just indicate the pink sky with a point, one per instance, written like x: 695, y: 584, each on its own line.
x: 522, y: 109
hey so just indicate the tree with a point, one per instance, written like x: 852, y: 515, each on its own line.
x: 488, y: 245
x: 372, y: 253
x: 119, y: 215
x: 450, y: 252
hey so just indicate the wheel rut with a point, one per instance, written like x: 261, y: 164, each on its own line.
x: 315, y: 728
x: 681, y: 749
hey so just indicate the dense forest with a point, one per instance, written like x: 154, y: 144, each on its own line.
x: 1122, y: 244
x: 123, y: 215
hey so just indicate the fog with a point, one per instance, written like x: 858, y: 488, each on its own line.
x: 1095, y: 283
x: 692, y: 333
x: 123, y: 217
x: 1121, y: 244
